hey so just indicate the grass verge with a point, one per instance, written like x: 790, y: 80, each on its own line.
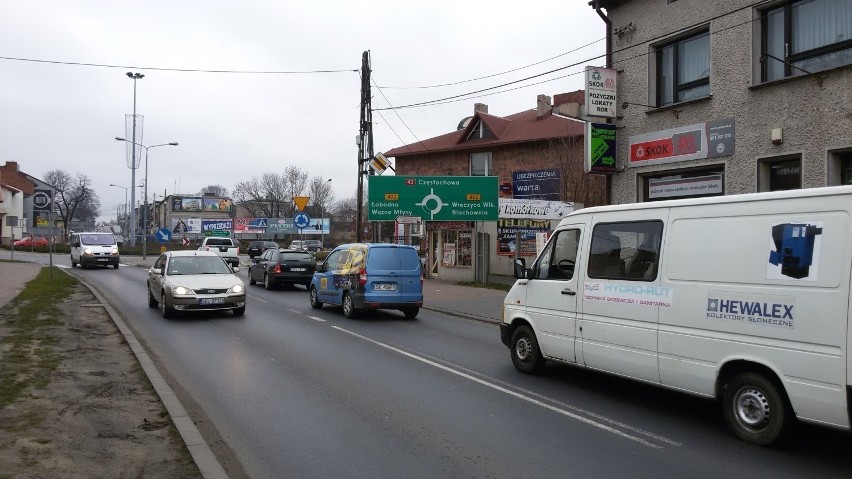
x: 26, y: 357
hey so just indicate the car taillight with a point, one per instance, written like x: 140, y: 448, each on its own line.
x: 362, y: 277
x: 238, y: 250
x: 277, y: 268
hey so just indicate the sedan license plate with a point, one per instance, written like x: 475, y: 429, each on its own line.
x: 298, y: 269
x: 211, y: 301
x: 384, y: 287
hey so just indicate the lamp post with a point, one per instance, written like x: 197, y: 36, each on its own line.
x: 134, y: 77
x: 123, y: 231
x: 145, y: 208
x: 322, y: 217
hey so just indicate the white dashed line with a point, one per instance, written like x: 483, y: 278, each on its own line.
x: 317, y: 319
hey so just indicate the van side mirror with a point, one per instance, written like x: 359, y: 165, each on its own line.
x: 520, y: 268
x: 76, y: 244
x: 156, y: 271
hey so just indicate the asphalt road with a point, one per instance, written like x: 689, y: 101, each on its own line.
x: 297, y: 392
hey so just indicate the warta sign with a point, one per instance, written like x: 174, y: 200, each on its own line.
x: 600, y: 92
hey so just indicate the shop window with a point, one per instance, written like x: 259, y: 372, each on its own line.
x: 480, y: 164
x: 805, y: 36
x: 840, y: 168
x: 457, y: 248
x: 683, y: 69
x: 780, y: 174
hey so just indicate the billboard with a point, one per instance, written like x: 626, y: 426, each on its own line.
x: 507, y: 235
x: 193, y: 204
x: 433, y: 198
x: 536, y: 184
x: 182, y: 226
x: 600, y: 148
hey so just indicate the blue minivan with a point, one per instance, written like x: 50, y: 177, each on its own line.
x: 361, y: 276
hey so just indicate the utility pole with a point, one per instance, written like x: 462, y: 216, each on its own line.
x: 365, y: 141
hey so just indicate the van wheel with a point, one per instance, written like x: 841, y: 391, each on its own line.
x: 73, y: 263
x: 115, y: 266
x: 526, y: 355
x: 755, y: 410
x: 348, y: 306
x: 315, y: 302
x: 410, y: 313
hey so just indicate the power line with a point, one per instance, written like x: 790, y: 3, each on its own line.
x: 494, y: 74
x: 397, y: 115
x: 182, y: 70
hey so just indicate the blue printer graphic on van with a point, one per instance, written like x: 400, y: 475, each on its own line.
x: 794, y: 248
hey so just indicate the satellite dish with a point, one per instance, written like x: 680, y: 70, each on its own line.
x: 464, y: 122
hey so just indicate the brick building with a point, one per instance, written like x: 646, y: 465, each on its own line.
x: 14, y: 188
x: 546, y: 141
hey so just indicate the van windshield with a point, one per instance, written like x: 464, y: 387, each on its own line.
x: 105, y: 239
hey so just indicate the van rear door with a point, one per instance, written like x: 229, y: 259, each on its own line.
x: 393, y: 275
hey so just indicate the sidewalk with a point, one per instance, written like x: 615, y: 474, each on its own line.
x: 481, y: 304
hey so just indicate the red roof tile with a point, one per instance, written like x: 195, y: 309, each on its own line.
x: 521, y: 127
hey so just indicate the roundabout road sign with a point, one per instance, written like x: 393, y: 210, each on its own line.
x: 301, y: 220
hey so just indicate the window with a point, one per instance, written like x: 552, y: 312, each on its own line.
x: 805, y: 36
x: 558, y: 260
x: 683, y: 69
x: 780, y: 174
x: 457, y: 246
x: 846, y: 169
x: 480, y: 164
x: 480, y: 131
x: 628, y: 251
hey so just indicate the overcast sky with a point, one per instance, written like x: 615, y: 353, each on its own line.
x: 233, y: 126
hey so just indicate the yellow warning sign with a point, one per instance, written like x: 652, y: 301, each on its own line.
x: 301, y: 202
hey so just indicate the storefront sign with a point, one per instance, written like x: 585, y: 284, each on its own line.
x: 536, y: 184
x: 507, y: 235
x: 678, y: 187
x: 600, y: 148
x: 600, y: 91
x: 691, y: 142
x: 534, y: 209
x: 448, y: 225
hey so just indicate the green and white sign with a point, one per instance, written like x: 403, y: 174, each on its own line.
x: 600, y: 148
x: 433, y: 198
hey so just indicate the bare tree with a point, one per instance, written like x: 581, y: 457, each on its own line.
x: 74, y: 197
x: 320, y: 192
x: 294, y: 181
x: 577, y: 185
x: 215, y: 190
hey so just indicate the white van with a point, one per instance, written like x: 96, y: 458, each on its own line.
x: 742, y: 298
x: 94, y: 249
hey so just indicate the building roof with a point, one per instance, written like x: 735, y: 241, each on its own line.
x: 523, y: 127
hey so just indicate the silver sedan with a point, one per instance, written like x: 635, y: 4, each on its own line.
x: 194, y: 281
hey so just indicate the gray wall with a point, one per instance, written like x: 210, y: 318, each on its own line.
x: 816, y: 118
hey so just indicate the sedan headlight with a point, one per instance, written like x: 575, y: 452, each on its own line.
x: 182, y: 290
x: 237, y: 288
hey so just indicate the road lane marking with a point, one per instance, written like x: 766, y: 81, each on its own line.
x: 580, y: 410
x: 317, y: 319
x: 294, y: 310
x: 504, y: 390
x: 257, y: 299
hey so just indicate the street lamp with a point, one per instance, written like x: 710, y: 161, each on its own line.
x: 322, y: 217
x: 134, y: 77
x: 123, y: 230
x: 145, y: 209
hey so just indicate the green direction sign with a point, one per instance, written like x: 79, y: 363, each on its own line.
x: 600, y: 148
x: 217, y: 233
x: 433, y: 198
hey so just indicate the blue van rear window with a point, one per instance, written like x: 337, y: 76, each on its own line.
x: 393, y: 258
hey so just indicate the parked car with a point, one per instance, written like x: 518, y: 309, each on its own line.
x: 282, y: 266
x: 32, y: 241
x: 183, y: 281
x: 306, y: 245
x: 257, y: 247
x: 362, y: 276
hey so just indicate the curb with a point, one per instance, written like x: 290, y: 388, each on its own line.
x: 475, y: 317
x: 203, y: 456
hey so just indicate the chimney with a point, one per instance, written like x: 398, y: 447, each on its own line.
x: 480, y: 108
x: 542, y: 106
x: 569, y: 104
x: 13, y: 165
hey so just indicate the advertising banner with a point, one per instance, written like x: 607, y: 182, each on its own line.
x: 433, y: 198
x: 536, y: 184
x: 182, y: 226
x: 600, y: 148
x: 245, y: 225
x: 217, y: 225
x: 285, y: 226
x: 600, y: 91
x: 534, y: 209
x: 42, y: 200
x: 529, y: 229
x: 692, y: 142
x: 678, y: 187
x: 191, y: 204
